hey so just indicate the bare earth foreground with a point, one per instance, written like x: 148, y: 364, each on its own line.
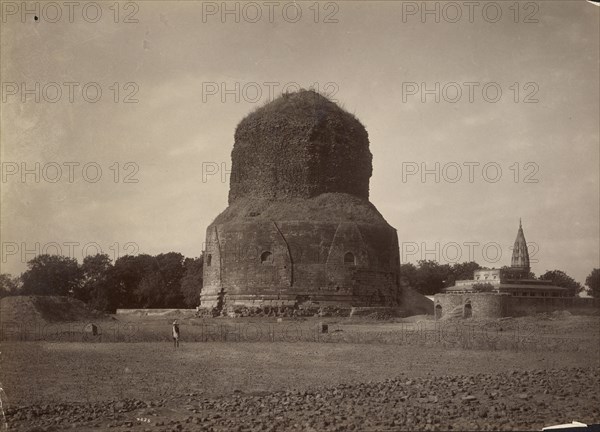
x: 259, y: 374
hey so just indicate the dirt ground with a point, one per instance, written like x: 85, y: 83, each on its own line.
x: 438, y: 375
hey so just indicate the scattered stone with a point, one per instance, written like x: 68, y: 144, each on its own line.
x: 425, y: 404
x: 468, y: 399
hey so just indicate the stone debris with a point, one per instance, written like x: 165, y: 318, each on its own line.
x: 434, y: 403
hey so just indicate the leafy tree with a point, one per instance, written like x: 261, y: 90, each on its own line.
x: 408, y: 275
x: 561, y: 279
x: 51, y: 275
x: 483, y: 287
x: 9, y: 285
x: 150, y: 292
x: 511, y: 273
x: 171, y: 268
x: 127, y: 274
x: 461, y: 271
x: 431, y: 277
x: 97, y: 288
x: 145, y: 281
x: 593, y: 283
x: 191, y: 284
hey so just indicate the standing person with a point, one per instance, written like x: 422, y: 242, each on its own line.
x: 175, y: 334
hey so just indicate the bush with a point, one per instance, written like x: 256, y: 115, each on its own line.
x: 483, y: 287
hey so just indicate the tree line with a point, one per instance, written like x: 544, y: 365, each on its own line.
x: 171, y: 280
x: 430, y: 277
x: 142, y: 281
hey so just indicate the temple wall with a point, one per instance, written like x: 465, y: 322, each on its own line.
x: 487, y: 305
x: 490, y: 276
x: 482, y: 304
x: 518, y: 306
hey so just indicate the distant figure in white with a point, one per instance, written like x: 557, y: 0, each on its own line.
x: 175, y: 334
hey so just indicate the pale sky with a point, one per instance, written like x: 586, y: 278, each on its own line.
x: 376, y: 59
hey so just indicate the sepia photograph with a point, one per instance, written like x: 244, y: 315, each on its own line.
x: 299, y: 215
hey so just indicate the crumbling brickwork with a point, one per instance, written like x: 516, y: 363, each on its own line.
x: 299, y: 229
x: 300, y: 145
x: 295, y: 261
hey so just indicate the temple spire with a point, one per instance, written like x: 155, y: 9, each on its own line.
x: 520, y: 255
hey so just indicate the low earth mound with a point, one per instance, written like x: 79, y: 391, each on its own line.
x: 49, y: 309
x: 414, y: 303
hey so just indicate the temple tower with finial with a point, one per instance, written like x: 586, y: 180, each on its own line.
x: 510, y: 291
x: 520, y: 256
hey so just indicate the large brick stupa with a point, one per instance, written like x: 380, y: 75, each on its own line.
x: 299, y: 228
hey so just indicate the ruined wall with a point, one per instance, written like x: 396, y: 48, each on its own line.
x: 300, y: 145
x: 482, y: 304
x: 448, y: 303
x: 494, y: 305
x: 487, y: 305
